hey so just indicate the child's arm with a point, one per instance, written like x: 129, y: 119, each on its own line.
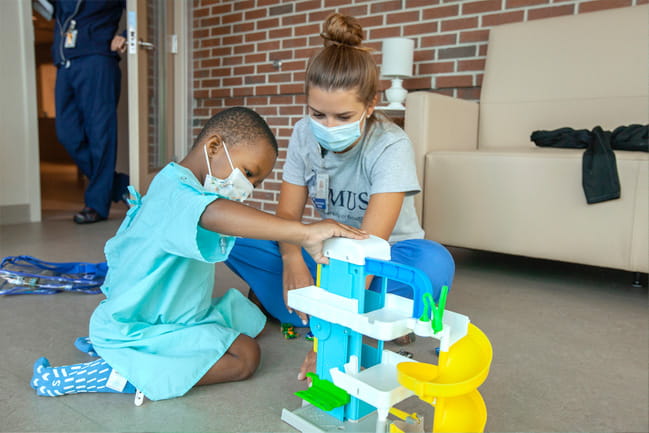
x: 236, y: 219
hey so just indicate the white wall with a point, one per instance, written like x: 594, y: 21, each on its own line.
x: 19, y: 167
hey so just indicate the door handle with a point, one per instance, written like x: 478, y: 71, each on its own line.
x: 146, y: 45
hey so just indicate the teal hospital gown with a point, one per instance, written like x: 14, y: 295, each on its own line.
x: 159, y: 326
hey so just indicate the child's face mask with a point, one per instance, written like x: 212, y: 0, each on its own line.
x: 235, y: 187
x: 336, y: 138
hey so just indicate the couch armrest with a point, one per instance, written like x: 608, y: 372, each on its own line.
x: 438, y: 122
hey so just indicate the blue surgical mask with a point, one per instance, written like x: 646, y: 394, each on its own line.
x: 336, y: 138
x: 235, y: 187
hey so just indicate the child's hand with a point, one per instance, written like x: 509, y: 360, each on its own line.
x: 318, y: 232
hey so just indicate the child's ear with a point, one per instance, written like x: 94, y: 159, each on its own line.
x: 213, y: 143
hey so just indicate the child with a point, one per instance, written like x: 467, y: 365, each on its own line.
x: 158, y: 326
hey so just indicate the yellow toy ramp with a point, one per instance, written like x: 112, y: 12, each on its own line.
x: 460, y: 370
x: 465, y: 413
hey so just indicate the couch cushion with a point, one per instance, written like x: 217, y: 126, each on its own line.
x: 578, y: 71
x: 532, y: 203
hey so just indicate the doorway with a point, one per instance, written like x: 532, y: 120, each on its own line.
x: 62, y: 185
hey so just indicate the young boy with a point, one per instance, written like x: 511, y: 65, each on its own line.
x: 158, y: 326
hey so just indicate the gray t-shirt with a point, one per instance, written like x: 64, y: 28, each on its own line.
x: 383, y: 161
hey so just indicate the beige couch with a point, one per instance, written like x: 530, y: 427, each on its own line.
x: 488, y: 187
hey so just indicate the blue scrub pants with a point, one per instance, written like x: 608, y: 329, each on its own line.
x: 86, y: 96
x: 259, y: 263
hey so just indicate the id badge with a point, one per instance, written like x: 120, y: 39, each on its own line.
x: 321, y: 191
x: 70, y: 39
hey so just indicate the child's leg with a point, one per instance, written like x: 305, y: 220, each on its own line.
x: 239, y: 362
x: 95, y: 376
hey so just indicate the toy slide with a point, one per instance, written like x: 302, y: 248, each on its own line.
x: 451, y: 386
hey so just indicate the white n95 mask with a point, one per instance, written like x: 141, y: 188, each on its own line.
x: 235, y: 187
x: 336, y: 138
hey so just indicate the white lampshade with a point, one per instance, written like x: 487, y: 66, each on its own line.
x: 397, y: 57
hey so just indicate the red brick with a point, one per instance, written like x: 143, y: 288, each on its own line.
x: 437, y: 40
x: 420, y: 3
x: 424, y: 55
x: 267, y: 24
x: 502, y: 18
x: 435, y: 68
x: 243, y: 70
x: 257, y: 36
x: 232, y: 60
x: 417, y: 83
x: 307, y: 5
x: 293, y: 43
x: 290, y: 20
x: 417, y: 29
x: 401, y: 17
x: 440, y: 12
x: 372, y: 21
x: 386, y: 6
x: 221, y: 72
x: 535, y: 14
x: 474, y: 36
x: 255, y: 58
x: 219, y: 92
x: 232, y: 81
x: 469, y: 93
x: 210, y: 22
x: 244, y: 4
x: 309, y: 29
x: 242, y: 91
x: 385, y: 32
x: 243, y: 49
x: 268, y: 46
x: 279, y: 33
x: 512, y: 4
x: 221, y: 9
x: 243, y: 27
x: 454, y: 81
x: 251, y: 15
x: 231, y: 18
x: 481, y: 6
x: 290, y: 88
x: 602, y: 4
x: 354, y: 11
x: 471, y: 65
x: 459, y: 24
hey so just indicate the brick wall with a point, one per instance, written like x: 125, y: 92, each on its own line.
x: 236, y: 41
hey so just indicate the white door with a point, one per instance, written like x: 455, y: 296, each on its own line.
x: 157, y: 51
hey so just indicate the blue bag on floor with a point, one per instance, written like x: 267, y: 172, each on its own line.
x: 20, y: 275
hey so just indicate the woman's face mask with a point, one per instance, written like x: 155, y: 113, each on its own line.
x: 336, y: 138
x: 235, y: 187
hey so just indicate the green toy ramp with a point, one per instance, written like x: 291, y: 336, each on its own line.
x: 324, y: 394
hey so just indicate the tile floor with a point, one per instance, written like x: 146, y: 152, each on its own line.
x: 570, y: 346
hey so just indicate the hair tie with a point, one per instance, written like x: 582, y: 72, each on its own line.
x: 342, y: 44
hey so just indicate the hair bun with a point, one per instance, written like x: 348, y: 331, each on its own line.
x: 339, y: 29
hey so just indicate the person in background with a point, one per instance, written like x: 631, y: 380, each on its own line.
x: 355, y: 166
x: 86, y: 54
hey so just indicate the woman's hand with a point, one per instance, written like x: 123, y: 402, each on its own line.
x: 295, y: 276
x: 308, y: 365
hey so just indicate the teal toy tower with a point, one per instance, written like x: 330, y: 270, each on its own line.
x: 343, y: 311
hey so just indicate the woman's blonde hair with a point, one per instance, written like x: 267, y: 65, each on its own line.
x: 343, y: 63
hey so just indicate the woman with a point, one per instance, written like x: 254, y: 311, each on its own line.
x: 354, y: 165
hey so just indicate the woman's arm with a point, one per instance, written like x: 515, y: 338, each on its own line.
x: 382, y: 213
